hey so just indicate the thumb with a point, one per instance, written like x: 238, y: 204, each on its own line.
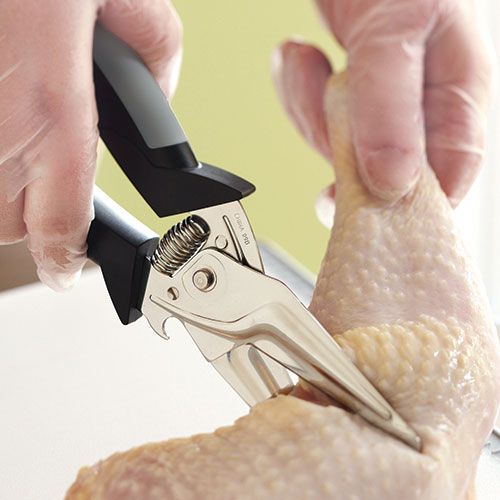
x: 387, y: 117
x: 153, y: 29
x: 385, y: 42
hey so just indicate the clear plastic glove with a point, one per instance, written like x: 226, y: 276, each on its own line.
x: 48, y: 117
x: 419, y: 75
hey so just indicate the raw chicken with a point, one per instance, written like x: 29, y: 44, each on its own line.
x: 399, y: 293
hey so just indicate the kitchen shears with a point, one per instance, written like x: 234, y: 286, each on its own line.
x: 206, y: 271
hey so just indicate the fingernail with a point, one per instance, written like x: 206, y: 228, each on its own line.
x: 173, y: 72
x: 325, y: 206
x: 281, y: 53
x: 390, y: 173
x: 59, y: 266
x: 276, y: 61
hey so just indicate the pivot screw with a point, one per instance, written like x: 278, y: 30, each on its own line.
x: 204, y: 280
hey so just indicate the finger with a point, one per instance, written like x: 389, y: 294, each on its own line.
x: 335, y: 16
x: 385, y: 45
x: 325, y: 206
x: 15, y: 174
x: 300, y: 73
x: 58, y: 204
x: 12, y: 227
x: 154, y: 30
x: 21, y: 130
x: 459, y: 75
x: 456, y: 135
x: 18, y: 151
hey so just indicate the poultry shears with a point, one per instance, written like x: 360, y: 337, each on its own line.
x: 206, y: 271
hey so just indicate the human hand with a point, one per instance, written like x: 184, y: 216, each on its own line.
x: 48, y: 117
x: 419, y: 76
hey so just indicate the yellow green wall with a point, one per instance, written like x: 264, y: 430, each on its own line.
x: 227, y: 105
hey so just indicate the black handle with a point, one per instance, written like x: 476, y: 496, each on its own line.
x: 119, y: 243
x: 145, y: 138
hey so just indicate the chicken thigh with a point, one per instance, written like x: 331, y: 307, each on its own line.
x: 400, y: 295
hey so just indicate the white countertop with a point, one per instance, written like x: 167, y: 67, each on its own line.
x: 76, y: 386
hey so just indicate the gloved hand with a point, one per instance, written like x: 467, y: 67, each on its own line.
x: 48, y: 116
x: 419, y: 75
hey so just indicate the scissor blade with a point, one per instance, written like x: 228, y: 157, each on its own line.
x: 279, y: 265
x: 299, y: 342
x: 253, y: 375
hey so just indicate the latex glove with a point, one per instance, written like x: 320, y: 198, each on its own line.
x: 48, y: 116
x: 419, y: 76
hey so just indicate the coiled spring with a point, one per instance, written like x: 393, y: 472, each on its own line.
x: 179, y: 244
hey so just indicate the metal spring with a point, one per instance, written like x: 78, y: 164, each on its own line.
x: 179, y: 244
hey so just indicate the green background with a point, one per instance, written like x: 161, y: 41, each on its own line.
x: 227, y: 105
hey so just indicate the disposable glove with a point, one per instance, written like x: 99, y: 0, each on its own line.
x: 419, y: 76
x: 48, y: 116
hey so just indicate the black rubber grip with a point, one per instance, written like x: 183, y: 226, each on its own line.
x: 145, y: 138
x: 119, y: 243
x: 168, y: 177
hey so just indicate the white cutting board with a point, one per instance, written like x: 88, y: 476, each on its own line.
x: 75, y: 386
